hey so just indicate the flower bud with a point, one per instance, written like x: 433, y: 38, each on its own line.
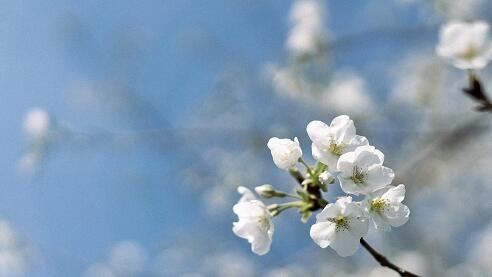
x: 326, y: 178
x: 268, y: 191
x: 285, y: 152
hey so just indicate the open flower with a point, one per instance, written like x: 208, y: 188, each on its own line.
x: 330, y: 142
x: 255, y: 222
x: 362, y: 171
x: 285, y: 152
x: 340, y: 226
x: 385, y: 208
x: 467, y: 45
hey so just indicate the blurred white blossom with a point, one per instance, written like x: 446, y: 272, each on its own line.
x: 467, y: 45
x: 37, y: 124
x: 15, y: 254
x: 347, y: 93
x: 306, y: 37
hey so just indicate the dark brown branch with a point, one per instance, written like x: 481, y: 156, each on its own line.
x: 381, y: 259
x: 476, y: 91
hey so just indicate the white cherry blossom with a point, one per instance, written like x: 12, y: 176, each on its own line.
x: 330, y: 142
x: 255, y: 222
x: 285, y: 152
x: 385, y: 209
x: 467, y: 45
x: 362, y: 171
x: 37, y: 123
x: 306, y: 36
x: 340, y: 226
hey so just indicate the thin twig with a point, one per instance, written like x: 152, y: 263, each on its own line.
x: 383, y: 261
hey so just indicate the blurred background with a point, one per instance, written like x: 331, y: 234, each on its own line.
x: 127, y: 126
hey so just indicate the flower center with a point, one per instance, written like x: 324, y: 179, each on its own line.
x: 379, y: 205
x: 469, y: 53
x: 341, y: 223
x: 358, y: 175
x: 335, y: 148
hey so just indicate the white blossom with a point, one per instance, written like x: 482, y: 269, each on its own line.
x: 306, y: 36
x: 285, y: 152
x: 330, y: 142
x: 362, y: 171
x: 37, y: 123
x: 255, y: 222
x: 15, y: 253
x: 467, y: 45
x: 340, y: 226
x: 385, y: 209
x: 348, y: 93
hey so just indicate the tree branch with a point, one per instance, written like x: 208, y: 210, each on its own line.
x: 383, y: 261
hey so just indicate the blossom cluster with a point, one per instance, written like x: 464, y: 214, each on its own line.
x: 341, y: 155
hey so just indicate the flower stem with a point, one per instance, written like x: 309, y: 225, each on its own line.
x: 308, y: 168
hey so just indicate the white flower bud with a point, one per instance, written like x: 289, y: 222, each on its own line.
x: 326, y: 178
x: 285, y: 152
x: 268, y: 191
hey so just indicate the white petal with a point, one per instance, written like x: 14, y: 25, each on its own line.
x: 345, y: 205
x: 355, y: 142
x: 345, y: 164
x: 250, y: 209
x: 324, y: 157
x: 345, y: 243
x: 261, y: 244
x: 367, y: 156
x: 359, y: 226
x: 395, y: 194
x: 330, y: 211
x: 323, y: 233
x: 348, y: 186
x: 378, y: 177
x: 247, y: 194
x: 344, y: 129
x: 397, y: 215
x: 380, y: 222
x: 379, y: 193
x: 319, y: 133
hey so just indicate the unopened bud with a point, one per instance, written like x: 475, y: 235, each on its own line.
x: 268, y: 191
x: 326, y: 178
